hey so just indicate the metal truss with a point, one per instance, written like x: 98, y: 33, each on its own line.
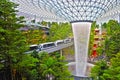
x: 112, y: 12
x: 68, y: 10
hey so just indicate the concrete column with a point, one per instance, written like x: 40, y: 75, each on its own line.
x: 61, y: 52
x: 81, y: 31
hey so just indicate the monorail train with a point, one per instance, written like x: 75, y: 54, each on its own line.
x: 58, y: 42
x: 47, y: 45
x: 33, y: 47
x: 68, y: 40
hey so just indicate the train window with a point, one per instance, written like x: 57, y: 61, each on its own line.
x: 33, y: 47
x: 48, y: 45
x: 52, y: 44
x: 59, y: 43
x: 43, y: 46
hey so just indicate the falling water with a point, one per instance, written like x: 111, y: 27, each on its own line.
x: 81, y: 31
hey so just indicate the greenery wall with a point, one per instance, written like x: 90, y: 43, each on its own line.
x: 15, y: 64
x: 60, y: 31
x: 108, y: 68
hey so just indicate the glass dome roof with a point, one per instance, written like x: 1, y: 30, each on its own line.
x: 69, y: 10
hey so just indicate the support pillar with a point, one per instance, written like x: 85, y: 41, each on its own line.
x: 81, y: 32
x: 61, y: 52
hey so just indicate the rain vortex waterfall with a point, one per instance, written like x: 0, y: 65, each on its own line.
x: 81, y: 31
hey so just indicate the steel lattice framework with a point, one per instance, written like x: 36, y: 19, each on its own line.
x: 69, y: 10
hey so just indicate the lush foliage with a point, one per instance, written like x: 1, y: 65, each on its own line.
x: 56, y: 32
x: 14, y: 63
x: 112, y: 43
x: 107, y: 70
x: 60, y: 31
x: 12, y: 43
x: 51, y: 66
x: 113, y: 72
x: 98, y: 70
x: 111, y: 48
x: 36, y: 36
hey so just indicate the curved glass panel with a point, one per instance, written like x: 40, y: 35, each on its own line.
x: 70, y: 10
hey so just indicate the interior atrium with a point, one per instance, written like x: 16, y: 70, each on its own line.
x: 59, y: 39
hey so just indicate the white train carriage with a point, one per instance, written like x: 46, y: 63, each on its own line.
x: 46, y: 45
x: 33, y: 47
x: 59, y: 42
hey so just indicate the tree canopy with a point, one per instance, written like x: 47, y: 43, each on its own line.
x: 111, y: 69
x: 60, y: 31
x: 12, y: 43
x: 51, y: 66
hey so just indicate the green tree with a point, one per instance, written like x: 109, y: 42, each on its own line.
x: 112, y: 27
x: 105, y: 71
x: 112, y: 41
x: 98, y: 70
x: 35, y: 36
x: 60, y: 31
x: 26, y: 67
x: 113, y: 72
x: 52, y: 66
x: 113, y: 45
x: 12, y: 42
